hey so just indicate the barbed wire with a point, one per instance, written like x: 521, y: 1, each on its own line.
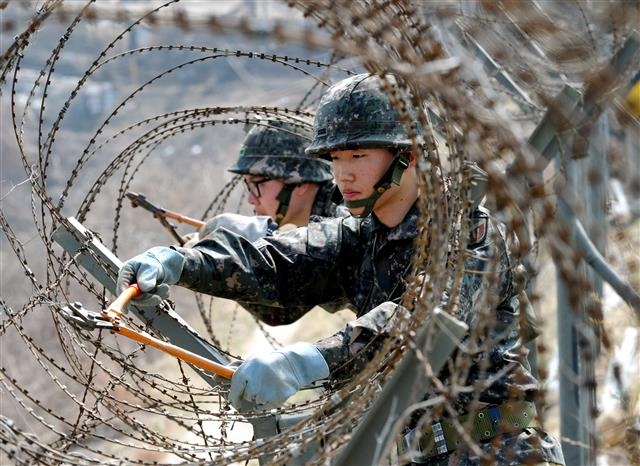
x: 99, y: 398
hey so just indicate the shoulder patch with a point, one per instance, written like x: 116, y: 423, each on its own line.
x: 478, y: 232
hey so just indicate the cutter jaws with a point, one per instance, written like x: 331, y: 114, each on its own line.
x: 90, y: 320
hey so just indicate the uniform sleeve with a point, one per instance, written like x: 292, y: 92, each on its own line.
x: 483, y: 286
x: 348, y: 350
x: 487, y: 283
x: 301, y: 267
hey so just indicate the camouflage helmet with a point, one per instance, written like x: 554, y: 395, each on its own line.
x: 356, y: 113
x: 276, y: 150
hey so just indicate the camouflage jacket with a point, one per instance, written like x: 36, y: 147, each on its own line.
x: 334, y: 259
x: 255, y: 227
x: 362, y: 262
x: 365, y: 263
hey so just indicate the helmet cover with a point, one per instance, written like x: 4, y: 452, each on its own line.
x: 276, y: 150
x: 356, y: 113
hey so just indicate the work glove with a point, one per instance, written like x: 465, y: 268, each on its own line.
x: 249, y: 227
x: 153, y: 271
x: 265, y: 381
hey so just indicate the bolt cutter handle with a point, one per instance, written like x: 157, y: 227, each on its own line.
x: 180, y: 353
x: 114, y: 311
x: 160, y: 212
x: 115, y: 308
x: 109, y: 319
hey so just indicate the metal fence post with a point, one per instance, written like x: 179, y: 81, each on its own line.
x: 578, y: 342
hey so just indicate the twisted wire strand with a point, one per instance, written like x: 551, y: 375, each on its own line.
x: 111, y: 402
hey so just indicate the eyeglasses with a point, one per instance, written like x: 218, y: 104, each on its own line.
x: 254, y: 186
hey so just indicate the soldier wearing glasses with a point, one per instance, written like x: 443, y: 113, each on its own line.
x: 285, y: 186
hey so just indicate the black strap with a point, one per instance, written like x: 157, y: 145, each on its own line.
x: 284, y: 197
x: 391, y: 176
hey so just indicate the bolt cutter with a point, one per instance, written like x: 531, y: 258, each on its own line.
x: 109, y: 319
x: 162, y: 214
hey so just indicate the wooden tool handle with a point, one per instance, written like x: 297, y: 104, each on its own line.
x: 184, y: 219
x: 180, y: 353
x: 121, y: 301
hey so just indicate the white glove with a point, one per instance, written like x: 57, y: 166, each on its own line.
x: 266, y: 381
x: 153, y: 271
x: 251, y: 228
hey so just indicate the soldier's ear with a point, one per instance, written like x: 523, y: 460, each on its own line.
x: 413, y: 160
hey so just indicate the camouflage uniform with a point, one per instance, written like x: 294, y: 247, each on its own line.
x: 328, y: 260
x: 362, y: 261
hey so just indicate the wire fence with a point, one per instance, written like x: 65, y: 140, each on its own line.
x: 104, y: 98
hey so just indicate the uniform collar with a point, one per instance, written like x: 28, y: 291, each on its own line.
x: 407, y: 229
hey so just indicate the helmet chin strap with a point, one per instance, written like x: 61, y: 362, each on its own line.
x: 391, y: 176
x: 284, y: 197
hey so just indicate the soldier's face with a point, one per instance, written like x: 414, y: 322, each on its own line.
x: 357, y: 171
x: 262, y: 194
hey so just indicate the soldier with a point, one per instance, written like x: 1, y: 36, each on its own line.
x: 285, y: 186
x: 365, y: 259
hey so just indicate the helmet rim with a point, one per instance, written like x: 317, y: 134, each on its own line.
x: 286, y: 168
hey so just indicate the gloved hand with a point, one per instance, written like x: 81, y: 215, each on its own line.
x: 153, y: 271
x: 265, y: 381
x: 249, y: 227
